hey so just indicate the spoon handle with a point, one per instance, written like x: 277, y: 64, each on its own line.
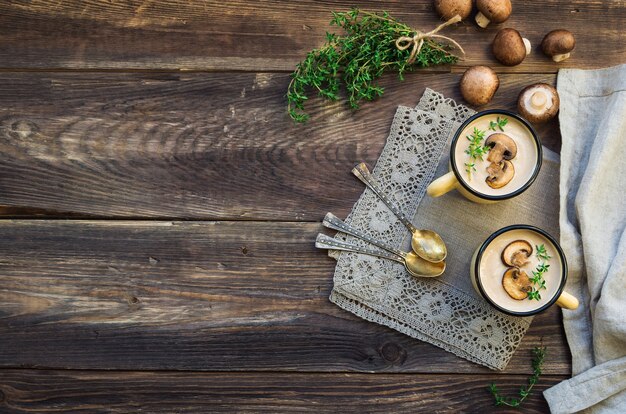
x: 333, y: 222
x: 363, y: 174
x: 326, y: 242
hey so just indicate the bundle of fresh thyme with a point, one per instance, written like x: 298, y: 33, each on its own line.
x: 357, y: 59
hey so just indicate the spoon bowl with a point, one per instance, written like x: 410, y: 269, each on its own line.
x: 426, y: 243
x: 418, y: 266
x: 414, y: 264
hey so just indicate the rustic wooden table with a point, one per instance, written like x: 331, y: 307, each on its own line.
x: 160, y: 209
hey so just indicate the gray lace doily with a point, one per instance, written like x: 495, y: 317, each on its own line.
x: 442, y: 311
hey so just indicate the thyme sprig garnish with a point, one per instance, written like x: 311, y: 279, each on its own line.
x: 357, y: 59
x: 542, y: 254
x: 539, y: 354
x: 499, y: 123
x: 476, y: 150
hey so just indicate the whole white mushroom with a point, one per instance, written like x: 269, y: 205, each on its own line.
x: 538, y: 103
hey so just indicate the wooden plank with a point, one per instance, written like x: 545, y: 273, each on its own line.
x: 205, y: 146
x: 26, y: 391
x: 267, y: 35
x: 208, y: 296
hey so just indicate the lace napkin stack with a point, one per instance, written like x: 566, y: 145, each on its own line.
x: 443, y: 311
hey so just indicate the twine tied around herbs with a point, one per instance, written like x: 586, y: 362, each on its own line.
x: 417, y: 41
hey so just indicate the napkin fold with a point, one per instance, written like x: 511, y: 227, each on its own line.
x: 593, y: 236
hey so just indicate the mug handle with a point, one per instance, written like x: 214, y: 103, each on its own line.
x: 442, y: 185
x: 567, y: 301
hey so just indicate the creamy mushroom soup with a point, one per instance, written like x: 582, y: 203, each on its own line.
x: 524, y: 162
x: 492, y: 269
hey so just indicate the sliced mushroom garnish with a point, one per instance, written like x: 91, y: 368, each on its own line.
x: 502, y: 147
x: 516, y: 283
x: 517, y: 253
x: 500, y: 174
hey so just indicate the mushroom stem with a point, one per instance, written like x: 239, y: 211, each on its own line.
x: 538, y: 102
x: 527, y: 45
x: 538, y: 99
x: 482, y: 20
x: 561, y: 57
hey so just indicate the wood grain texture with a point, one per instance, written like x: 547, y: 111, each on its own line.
x: 268, y: 35
x: 195, y: 146
x: 28, y: 391
x: 152, y: 114
x: 212, y: 296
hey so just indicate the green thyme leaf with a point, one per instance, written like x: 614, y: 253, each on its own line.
x: 534, y: 294
x: 499, y: 123
x: 469, y: 167
x: 476, y: 150
x: 541, y: 253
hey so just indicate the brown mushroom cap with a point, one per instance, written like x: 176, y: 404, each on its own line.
x: 447, y: 9
x: 500, y: 174
x: 479, y: 84
x: 516, y: 283
x: 538, y: 103
x: 496, y: 11
x: 502, y: 147
x: 509, y: 47
x: 516, y: 253
x: 558, y: 44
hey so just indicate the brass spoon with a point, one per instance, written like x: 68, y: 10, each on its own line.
x: 413, y: 263
x: 325, y: 242
x: 426, y: 243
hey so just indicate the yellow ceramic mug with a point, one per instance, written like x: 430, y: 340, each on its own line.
x: 488, y: 269
x: 468, y: 175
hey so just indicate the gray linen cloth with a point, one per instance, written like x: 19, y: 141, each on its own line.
x: 593, y: 236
